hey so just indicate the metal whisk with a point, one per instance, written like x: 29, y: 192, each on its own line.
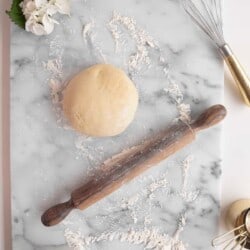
x: 239, y: 237
x: 207, y: 15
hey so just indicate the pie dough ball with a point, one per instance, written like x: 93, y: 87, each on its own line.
x: 100, y: 101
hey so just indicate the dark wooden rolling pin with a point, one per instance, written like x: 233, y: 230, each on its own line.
x: 125, y: 166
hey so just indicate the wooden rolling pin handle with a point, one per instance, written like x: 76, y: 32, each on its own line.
x: 56, y: 214
x: 209, y: 118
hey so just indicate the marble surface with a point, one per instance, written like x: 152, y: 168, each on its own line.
x: 48, y: 160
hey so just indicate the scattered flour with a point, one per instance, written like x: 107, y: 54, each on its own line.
x: 89, y: 38
x: 177, y: 96
x: 187, y: 195
x: 186, y: 167
x: 142, y: 40
x: 147, y: 220
x: 141, y: 57
x: 184, y: 111
x: 56, y: 47
x: 55, y: 89
x: 162, y: 183
x: 131, y: 206
x: 137, y: 205
x: 157, y: 184
x: 87, y: 29
x: 181, y: 225
x: 54, y: 66
x: 149, y: 238
x: 81, y: 146
x: 130, y: 202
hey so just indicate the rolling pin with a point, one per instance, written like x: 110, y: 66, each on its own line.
x: 130, y: 163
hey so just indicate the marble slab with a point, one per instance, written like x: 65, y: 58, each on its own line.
x: 179, y: 199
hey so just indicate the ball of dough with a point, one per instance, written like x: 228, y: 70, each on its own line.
x: 100, y: 101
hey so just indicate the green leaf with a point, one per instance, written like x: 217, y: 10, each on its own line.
x: 16, y: 15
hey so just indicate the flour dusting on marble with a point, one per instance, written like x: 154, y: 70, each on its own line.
x: 87, y: 29
x: 176, y: 95
x: 157, y: 184
x: 143, y: 41
x: 149, y: 238
x: 130, y: 202
x: 181, y: 225
x: 186, y: 194
x: 140, y: 207
x: 89, y: 37
x: 54, y: 67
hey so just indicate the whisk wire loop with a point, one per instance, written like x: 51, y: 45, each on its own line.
x: 213, y: 17
x: 208, y: 17
x: 227, y: 237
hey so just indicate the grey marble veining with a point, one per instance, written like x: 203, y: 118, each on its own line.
x: 47, y: 162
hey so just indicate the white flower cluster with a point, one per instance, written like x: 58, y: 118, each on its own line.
x: 38, y: 14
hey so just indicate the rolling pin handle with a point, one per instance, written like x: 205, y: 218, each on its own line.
x: 210, y: 117
x: 56, y: 214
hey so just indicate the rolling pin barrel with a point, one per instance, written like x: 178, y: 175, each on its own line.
x: 130, y: 163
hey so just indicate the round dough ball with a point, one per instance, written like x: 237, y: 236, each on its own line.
x: 100, y: 101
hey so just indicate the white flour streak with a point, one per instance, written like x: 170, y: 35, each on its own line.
x: 149, y: 238
x: 185, y: 168
x: 54, y: 66
x: 130, y: 202
x: 187, y: 195
x: 87, y: 29
x: 142, y: 40
x: 185, y: 112
x: 147, y: 220
x: 190, y: 196
x: 157, y: 184
x: 56, y: 47
x: 162, y: 183
x: 176, y: 95
x: 55, y: 88
x: 177, y: 243
x: 174, y: 92
x: 86, y: 151
x: 130, y: 205
x: 89, y: 38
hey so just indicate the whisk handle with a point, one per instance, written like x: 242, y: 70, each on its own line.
x: 239, y: 74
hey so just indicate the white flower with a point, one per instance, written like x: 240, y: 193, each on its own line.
x: 28, y: 7
x: 40, y: 25
x: 38, y: 14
